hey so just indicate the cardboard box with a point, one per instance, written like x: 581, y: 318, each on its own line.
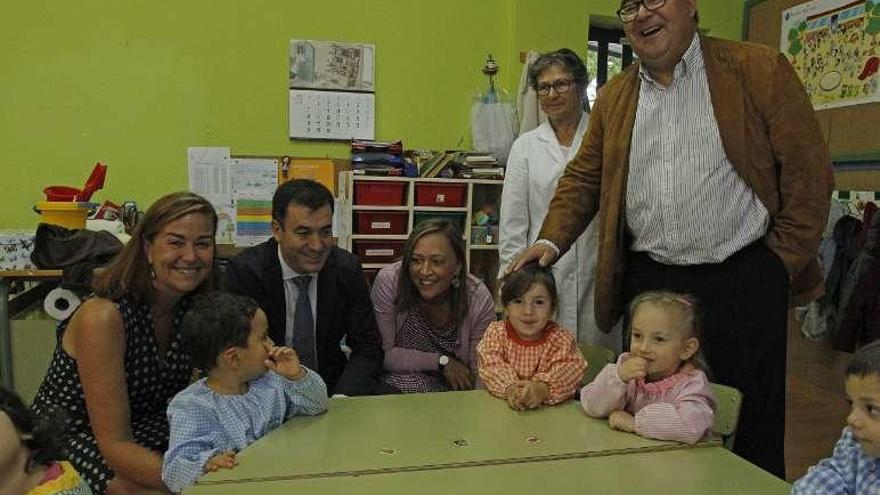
x: 323, y: 170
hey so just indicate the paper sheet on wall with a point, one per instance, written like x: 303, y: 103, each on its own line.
x: 331, y: 115
x: 832, y: 45
x: 208, y: 173
x: 253, y: 183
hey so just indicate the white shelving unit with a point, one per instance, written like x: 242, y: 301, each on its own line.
x: 477, y: 192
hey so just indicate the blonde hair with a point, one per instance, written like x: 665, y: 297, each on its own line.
x: 686, y: 307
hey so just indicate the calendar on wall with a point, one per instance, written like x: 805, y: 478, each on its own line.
x: 332, y: 114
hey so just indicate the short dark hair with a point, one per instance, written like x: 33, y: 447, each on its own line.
x: 304, y: 192
x: 564, y: 58
x: 40, y: 434
x: 865, y: 361
x: 215, y: 322
x: 517, y: 283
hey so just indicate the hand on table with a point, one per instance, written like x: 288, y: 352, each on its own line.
x: 526, y: 394
x: 224, y: 460
x: 623, y: 421
x: 457, y: 375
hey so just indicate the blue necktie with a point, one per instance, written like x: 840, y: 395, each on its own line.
x: 304, y: 325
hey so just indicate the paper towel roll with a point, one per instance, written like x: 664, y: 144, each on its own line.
x: 60, y: 303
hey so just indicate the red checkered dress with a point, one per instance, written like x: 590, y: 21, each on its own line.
x: 554, y: 359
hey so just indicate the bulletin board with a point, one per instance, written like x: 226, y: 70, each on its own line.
x: 850, y: 131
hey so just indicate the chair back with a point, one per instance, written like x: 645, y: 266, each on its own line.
x: 728, y: 401
x: 597, y: 357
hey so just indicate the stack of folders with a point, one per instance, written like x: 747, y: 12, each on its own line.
x: 379, y: 158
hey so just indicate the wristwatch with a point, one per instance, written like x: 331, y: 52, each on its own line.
x: 443, y: 361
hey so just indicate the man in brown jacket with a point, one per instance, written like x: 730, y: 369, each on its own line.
x: 710, y: 176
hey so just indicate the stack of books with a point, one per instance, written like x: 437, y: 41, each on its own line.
x: 378, y: 158
x: 476, y: 165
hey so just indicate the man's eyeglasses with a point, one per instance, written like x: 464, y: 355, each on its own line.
x: 560, y: 86
x: 630, y: 11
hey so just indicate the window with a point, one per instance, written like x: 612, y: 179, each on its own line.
x: 607, y: 55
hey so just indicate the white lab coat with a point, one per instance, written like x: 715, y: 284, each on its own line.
x: 535, y: 163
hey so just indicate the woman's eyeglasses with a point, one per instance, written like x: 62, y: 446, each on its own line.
x: 630, y: 11
x: 560, y: 86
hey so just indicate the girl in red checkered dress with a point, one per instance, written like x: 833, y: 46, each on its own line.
x: 528, y: 359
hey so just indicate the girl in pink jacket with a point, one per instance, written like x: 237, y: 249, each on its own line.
x: 657, y: 390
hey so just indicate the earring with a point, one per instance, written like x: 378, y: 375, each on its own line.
x: 152, y: 272
x: 456, y: 282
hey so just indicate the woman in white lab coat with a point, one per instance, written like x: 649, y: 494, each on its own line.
x: 535, y: 163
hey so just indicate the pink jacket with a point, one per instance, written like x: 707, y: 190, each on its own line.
x: 481, y: 312
x: 680, y: 407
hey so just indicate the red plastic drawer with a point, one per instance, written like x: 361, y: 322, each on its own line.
x: 377, y: 251
x: 380, y: 193
x: 380, y: 222
x: 440, y: 194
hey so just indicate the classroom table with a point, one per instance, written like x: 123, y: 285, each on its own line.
x: 5, y: 331
x: 411, y: 432
x: 708, y: 470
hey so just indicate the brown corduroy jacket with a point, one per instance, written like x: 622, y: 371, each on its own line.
x: 770, y: 134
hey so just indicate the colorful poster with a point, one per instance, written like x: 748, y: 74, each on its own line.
x: 833, y: 47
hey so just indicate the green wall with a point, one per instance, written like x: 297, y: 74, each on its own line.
x: 133, y: 83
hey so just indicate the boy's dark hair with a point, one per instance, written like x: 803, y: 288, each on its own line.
x: 215, y: 322
x: 304, y: 192
x: 40, y: 434
x: 866, y: 361
x: 517, y: 283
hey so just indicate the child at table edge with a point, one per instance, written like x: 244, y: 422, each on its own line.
x: 247, y: 375
x: 528, y: 359
x: 657, y: 390
x: 854, y: 466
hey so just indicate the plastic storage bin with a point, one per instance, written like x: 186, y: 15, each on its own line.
x: 379, y: 193
x: 456, y: 218
x: 441, y: 194
x: 380, y: 222
x: 66, y: 214
x: 370, y: 251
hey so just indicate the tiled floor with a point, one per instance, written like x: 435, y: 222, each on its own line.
x: 816, y: 406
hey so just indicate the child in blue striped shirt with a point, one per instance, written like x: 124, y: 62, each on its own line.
x: 252, y: 387
x: 854, y: 467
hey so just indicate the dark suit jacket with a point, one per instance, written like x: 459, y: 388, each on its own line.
x: 770, y: 135
x: 344, y: 310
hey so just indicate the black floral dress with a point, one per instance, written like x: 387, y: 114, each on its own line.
x: 151, y: 381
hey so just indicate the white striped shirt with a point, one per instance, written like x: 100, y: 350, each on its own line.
x: 685, y: 203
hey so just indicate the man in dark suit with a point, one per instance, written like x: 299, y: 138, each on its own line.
x: 299, y: 273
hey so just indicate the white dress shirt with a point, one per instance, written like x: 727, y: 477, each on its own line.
x: 685, y: 203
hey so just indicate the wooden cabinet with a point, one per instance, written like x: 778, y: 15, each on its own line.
x: 376, y: 214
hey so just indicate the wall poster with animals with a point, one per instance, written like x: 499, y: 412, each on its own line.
x: 833, y: 46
